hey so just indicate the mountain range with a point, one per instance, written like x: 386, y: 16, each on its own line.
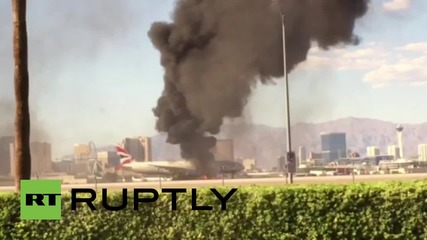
x: 266, y: 143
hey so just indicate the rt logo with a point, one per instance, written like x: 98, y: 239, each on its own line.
x: 41, y: 199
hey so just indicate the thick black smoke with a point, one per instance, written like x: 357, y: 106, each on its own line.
x: 215, y: 51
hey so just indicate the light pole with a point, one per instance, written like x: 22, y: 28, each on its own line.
x: 95, y: 171
x: 352, y: 172
x: 290, y: 155
x: 222, y: 174
x: 160, y: 178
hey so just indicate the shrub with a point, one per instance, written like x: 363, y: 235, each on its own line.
x: 335, y: 212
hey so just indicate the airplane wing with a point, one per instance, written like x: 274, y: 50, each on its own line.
x: 169, y: 167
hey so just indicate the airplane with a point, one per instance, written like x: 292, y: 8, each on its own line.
x: 179, y: 170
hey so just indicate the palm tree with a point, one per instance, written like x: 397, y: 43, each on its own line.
x: 22, y: 114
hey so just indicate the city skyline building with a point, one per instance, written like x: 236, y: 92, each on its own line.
x: 333, y: 146
x: 41, y: 158
x: 315, y: 155
x: 281, y: 163
x: 399, y: 131
x: 135, y: 148
x: 223, y: 150
x: 108, y: 158
x: 81, y: 151
x: 12, y: 159
x: 394, y: 151
x: 422, y: 152
x: 7, y: 155
x: 373, y: 151
x: 249, y: 164
x: 139, y: 147
x: 302, y: 155
x: 148, y: 150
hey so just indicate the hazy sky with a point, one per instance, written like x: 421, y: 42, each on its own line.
x: 95, y: 75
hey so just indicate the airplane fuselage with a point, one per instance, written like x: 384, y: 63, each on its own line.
x: 152, y: 167
x: 180, y: 167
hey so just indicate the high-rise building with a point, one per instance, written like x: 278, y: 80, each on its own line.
x: 334, y: 146
x: 372, y: 151
x: 108, y: 158
x: 223, y: 150
x: 146, y: 143
x: 399, y: 131
x: 12, y: 159
x: 302, y: 155
x: 139, y: 148
x: 81, y: 151
x: 135, y: 148
x: 63, y: 166
x: 315, y: 155
x: 41, y: 158
x: 249, y: 164
x: 394, y: 151
x: 422, y: 152
x: 281, y: 163
x: 6, y: 157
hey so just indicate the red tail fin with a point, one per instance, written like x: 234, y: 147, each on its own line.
x: 125, y: 157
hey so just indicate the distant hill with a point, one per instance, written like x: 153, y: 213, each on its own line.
x: 266, y: 143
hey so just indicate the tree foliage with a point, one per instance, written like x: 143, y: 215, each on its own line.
x: 377, y: 212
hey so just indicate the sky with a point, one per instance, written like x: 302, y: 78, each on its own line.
x: 95, y: 75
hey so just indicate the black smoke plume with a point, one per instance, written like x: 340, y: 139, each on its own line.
x: 214, y: 52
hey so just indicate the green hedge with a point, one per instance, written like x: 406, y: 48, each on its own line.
x: 385, y: 211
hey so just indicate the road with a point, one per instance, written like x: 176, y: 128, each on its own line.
x: 244, y: 182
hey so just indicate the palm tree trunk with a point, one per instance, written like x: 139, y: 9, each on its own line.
x: 22, y: 114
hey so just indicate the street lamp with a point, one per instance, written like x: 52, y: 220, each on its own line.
x: 290, y: 154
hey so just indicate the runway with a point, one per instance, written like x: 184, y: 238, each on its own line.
x: 243, y: 182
